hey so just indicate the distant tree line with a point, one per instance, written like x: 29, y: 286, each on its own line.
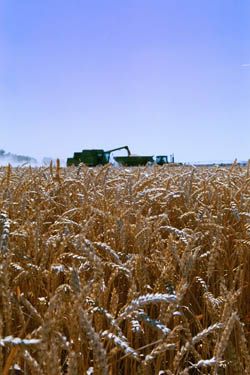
x: 14, y: 158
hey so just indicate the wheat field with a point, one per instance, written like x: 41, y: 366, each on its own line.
x: 125, y: 271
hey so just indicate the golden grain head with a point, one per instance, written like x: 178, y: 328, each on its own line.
x: 124, y: 271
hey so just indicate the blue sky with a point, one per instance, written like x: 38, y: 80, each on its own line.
x: 162, y: 76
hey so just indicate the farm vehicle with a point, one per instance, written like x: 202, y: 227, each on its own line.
x: 96, y: 157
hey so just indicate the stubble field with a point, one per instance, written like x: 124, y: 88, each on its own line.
x: 125, y: 271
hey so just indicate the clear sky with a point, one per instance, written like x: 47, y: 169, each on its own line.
x: 161, y: 76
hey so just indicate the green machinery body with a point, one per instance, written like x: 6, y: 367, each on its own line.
x: 96, y: 157
x: 89, y: 157
x: 93, y: 157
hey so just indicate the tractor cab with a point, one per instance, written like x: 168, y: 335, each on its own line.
x: 161, y: 159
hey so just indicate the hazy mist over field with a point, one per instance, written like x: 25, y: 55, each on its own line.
x: 23, y: 160
x: 14, y: 159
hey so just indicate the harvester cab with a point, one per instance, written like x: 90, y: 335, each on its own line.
x: 94, y: 157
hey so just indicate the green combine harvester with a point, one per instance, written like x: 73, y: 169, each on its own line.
x: 94, y: 157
